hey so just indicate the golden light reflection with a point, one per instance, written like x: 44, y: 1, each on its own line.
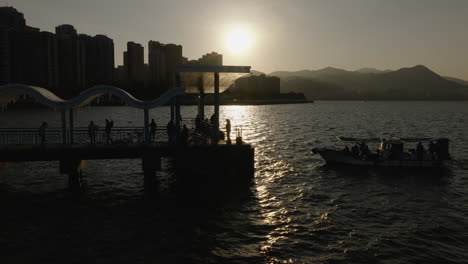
x: 238, y: 114
x: 271, y: 167
x: 273, y: 210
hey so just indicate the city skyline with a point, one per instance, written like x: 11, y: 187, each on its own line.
x: 67, y: 62
x: 318, y: 33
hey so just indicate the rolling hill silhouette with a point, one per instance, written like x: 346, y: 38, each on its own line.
x: 415, y: 83
x: 459, y: 81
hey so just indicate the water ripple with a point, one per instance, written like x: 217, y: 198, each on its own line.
x: 298, y: 211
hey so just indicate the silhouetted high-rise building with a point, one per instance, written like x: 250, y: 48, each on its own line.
x: 65, y: 62
x: 99, y: 59
x: 27, y: 56
x: 135, y: 62
x: 72, y: 61
x: 163, y: 60
x: 125, y: 65
x: 4, y: 56
x: 157, y: 64
x: 173, y: 57
x: 66, y: 30
x: 120, y: 74
x: 33, y: 58
x: 212, y: 58
x: 10, y: 17
x: 105, y: 48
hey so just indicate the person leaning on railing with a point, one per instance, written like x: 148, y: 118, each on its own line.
x: 92, y: 132
x: 171, y: 131
x: 42, y: 132
x: 109, y: 125
x: 228, y: 131
x: 152, y: 127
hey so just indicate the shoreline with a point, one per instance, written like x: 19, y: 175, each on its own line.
x: 255, y: 102
x: 35, y: 105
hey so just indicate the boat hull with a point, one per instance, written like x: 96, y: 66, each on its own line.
x: 336, y: 157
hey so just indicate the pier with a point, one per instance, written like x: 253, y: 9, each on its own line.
x: 202, y: 157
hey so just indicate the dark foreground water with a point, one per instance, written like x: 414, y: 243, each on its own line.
x: 296, y: 211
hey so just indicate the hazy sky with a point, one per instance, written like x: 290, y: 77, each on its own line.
x: 287, y: 34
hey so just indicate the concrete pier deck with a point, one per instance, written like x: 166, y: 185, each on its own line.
x: 207, y: 165
x: 22, y: 153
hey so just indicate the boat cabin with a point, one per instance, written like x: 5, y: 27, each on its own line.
x: 391, y: 145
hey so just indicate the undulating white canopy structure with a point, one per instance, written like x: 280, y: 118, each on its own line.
x: 10, y: 92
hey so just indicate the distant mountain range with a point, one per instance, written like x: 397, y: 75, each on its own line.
x: 415, y: 83
x: 372, y: 70
x: 459, y: 81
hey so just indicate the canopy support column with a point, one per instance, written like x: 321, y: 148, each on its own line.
x: 178, y: 116
x: 172, y: 110
x: 71, y: 125
x: 216, y: 100
x: 146, y: 126
x: 64, y: 127
x: 201, y: 105
x: 201, y: 99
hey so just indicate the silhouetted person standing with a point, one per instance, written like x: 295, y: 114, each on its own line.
x: 420, y: 151
x: 432, y: 149
x: 212, y: 119
x: 152, y: 127
x: 197, y: 122
x: 42, y: 132
x: 92, y: 132
x: 184, y: 135
x: 346, y: 150
x: 364, y: 149
x: 171, y: 131
x: 355, y: 150
x: 109, y: 125
x: 228, y: 130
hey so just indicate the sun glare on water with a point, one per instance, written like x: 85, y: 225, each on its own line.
x: 239, y: 40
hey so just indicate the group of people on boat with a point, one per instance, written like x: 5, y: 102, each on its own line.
x: 358, y: 151
x: 393, y: 150
x: 434, y: 149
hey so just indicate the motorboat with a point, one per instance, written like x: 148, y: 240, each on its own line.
x: 392, y: 152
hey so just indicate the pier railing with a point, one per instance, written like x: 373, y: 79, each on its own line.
x: 205, y: 132
x: 23, y: 136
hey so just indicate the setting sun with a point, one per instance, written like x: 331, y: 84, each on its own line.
x: 239, y: 40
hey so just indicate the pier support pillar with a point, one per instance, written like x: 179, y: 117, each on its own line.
x: 216, y: 101
x: 150, y: 165
x: 172, y: 110
x: 64, y: 127
x: 71, y: 126
x: 178, y: 116
x: 74, y: 170
x: 146, y: 126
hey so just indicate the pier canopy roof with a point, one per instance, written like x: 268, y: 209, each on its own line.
x: 197, y: 78
x: 10, y: 92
